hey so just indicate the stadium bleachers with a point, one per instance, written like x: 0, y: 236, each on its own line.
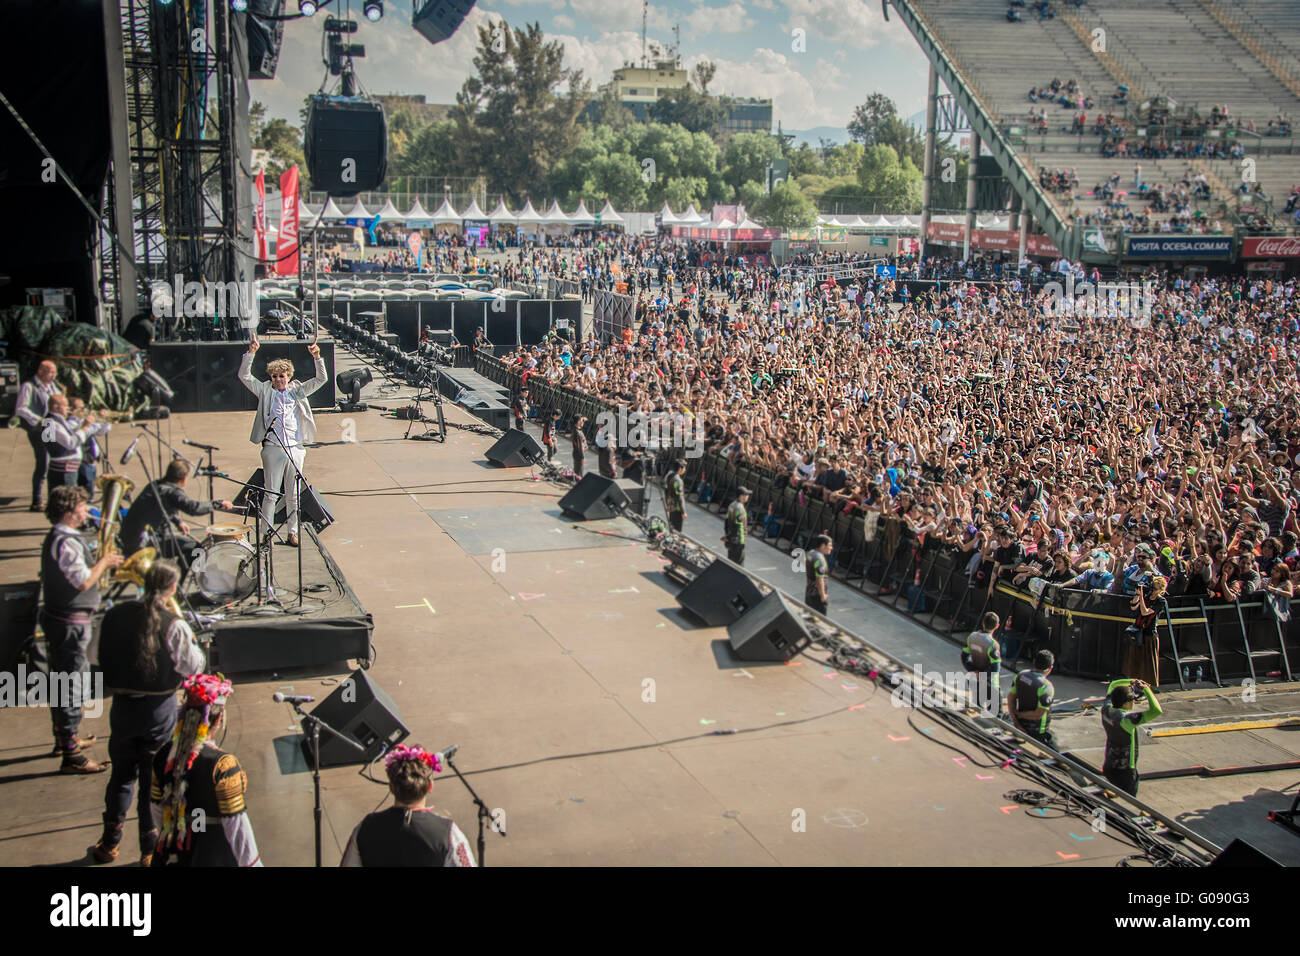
x: 1200, y: 54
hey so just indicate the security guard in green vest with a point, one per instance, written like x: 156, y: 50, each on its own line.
x: 982, y: 656
x: 817, y: 567
x: 1120, y: 763
x: 675, y: 495
x: 1031, y: 698
x: 735, y: 523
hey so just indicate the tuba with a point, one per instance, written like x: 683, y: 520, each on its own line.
x: 134, y: 569
x: 112, y: 489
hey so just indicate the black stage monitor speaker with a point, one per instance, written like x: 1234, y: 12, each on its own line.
x: 360, y: 709
x: 720, y: 595
x: 17, y: 622
x: 346, y: 143
x: 265, y: 34
x: 514, y: 449
x: 594, y: 497
x: 1241, y: 853
x: 772, y: 631
x: 314, y: 511
x: 438, y: 19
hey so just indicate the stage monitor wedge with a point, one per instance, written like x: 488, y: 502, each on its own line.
x: 361, y: 709
x: 772, y: 631
x: 437, y: 20
x: 515, y: 449
x: 346, y: 144
x: 720, y: 595
x: 593, y: 498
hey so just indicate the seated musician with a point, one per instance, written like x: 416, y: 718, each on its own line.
x: 145, y: 516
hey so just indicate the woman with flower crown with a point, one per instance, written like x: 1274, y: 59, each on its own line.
x: 408, y: 833
x: 197, y: 792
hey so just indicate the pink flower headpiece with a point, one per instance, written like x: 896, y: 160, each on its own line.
x: 402, y: 753
x: 204, y: 690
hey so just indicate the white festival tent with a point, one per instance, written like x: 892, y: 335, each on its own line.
x: 580, y: 216
x: 473, y: 212
x: 358, y: 211
x: 608, y: 215
x: 332, y: 213
x: 691, y: 217
x: 555, y: 215
x: 389, y: 213
x: 501, y: 216
x: 418, y: 217
x: 445, y: 214
x: 528, y: 215
x: 668, y: 217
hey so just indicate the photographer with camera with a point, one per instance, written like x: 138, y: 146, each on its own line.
x: 1119, y: 765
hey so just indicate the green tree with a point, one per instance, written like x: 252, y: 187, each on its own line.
x: 606, y: 109
x: 892, y: 184
x: 877, y: 122
x: 282, y: 142
x: 681, y: 191
x: 747, y: 157
x: 702, y: 75
x: 750, y: 194
x: 512, y: 116
x: 433, y: 150
x: 786, y: 208
x: 698, y: 112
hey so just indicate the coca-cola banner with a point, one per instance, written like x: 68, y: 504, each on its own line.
x: 1271, y: 247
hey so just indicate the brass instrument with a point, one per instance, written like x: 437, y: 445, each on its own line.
x: 112, y: 489
x: 134, y: 569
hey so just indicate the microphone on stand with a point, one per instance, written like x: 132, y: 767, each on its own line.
x: 186, y: 441
x: 130, y: 450
x: 445, y: 755
x: 280, y: 698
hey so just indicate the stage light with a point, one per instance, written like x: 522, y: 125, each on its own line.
x: 239, y: 6
x: 308, y: 7
x: 164, y: 3
x: 350, y: 384
x: 374, y: 10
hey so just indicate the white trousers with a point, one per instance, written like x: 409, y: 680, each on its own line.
x: 279, y: 476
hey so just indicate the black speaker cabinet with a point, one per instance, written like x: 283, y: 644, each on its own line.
x: 514, y: 449
x: 265, y: 35
x: 438, y: 19
x: 1241, y: 853
x: 346, y: 144
x: 177, y: 363
x: 360, y: 709
x: 771, y: 631
x: 313, y: 510
x: 219, y: 387
x: 17, y: 622
x: 594, y: 497
x: 721, y: 595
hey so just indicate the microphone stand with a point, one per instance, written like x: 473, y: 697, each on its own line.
x: 171, y: 535
x: 483, y: 812
x: 316, y: 724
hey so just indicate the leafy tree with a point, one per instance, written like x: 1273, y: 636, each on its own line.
x: 681, y: 191
x: 697, y: 112
x: 895, y: 185
x: 786, y: 208
x: 750, y: 194
x: 433, y: 150
x: 608, y: 110
x: 282, y: 142
x: 747, y: 157
x: 702, y: 75
x: 512, y: 116
x: 877, y: 122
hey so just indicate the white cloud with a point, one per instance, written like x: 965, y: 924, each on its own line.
x: 563, y: 21
x: 618, y: 15
x: 857, y: 23
x: 768, y: 74
x: 729, y: 19
x: 598, y: 59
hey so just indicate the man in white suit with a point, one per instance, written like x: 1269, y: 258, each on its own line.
x: 282, y: 406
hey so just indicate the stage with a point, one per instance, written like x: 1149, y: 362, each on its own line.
x: 608, y: 726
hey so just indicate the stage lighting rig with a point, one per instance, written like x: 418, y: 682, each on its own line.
x: 374, y: 10
x: 308, y: 8
x: 239, y: 6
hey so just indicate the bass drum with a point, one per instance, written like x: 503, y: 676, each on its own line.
x: 226, y: 572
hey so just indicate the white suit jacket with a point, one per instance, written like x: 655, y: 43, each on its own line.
x: 299, y: 391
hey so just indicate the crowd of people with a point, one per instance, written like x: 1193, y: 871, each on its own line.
x: 1158, y: 440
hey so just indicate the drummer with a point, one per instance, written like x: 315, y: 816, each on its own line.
x: 144, y: 525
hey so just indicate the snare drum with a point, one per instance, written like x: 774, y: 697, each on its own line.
x: 225, y: 532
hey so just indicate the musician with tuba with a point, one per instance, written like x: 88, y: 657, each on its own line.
x: 152, y: 512
x: 70, y: 593
x: 145, y: 650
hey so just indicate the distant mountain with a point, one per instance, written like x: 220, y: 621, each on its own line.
x: 836, y: 134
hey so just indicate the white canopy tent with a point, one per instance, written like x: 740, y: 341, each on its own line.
x: 418, y: 217
x: 388, y: 213
x: 473, y: 212
x: 609, y: 217
x: 358, y: 211
x: 581, y: 217
x: 501, y: 216
x: 669, y: 218
x: 332, y: 213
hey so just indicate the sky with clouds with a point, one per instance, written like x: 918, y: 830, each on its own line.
x: 846, y: 51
